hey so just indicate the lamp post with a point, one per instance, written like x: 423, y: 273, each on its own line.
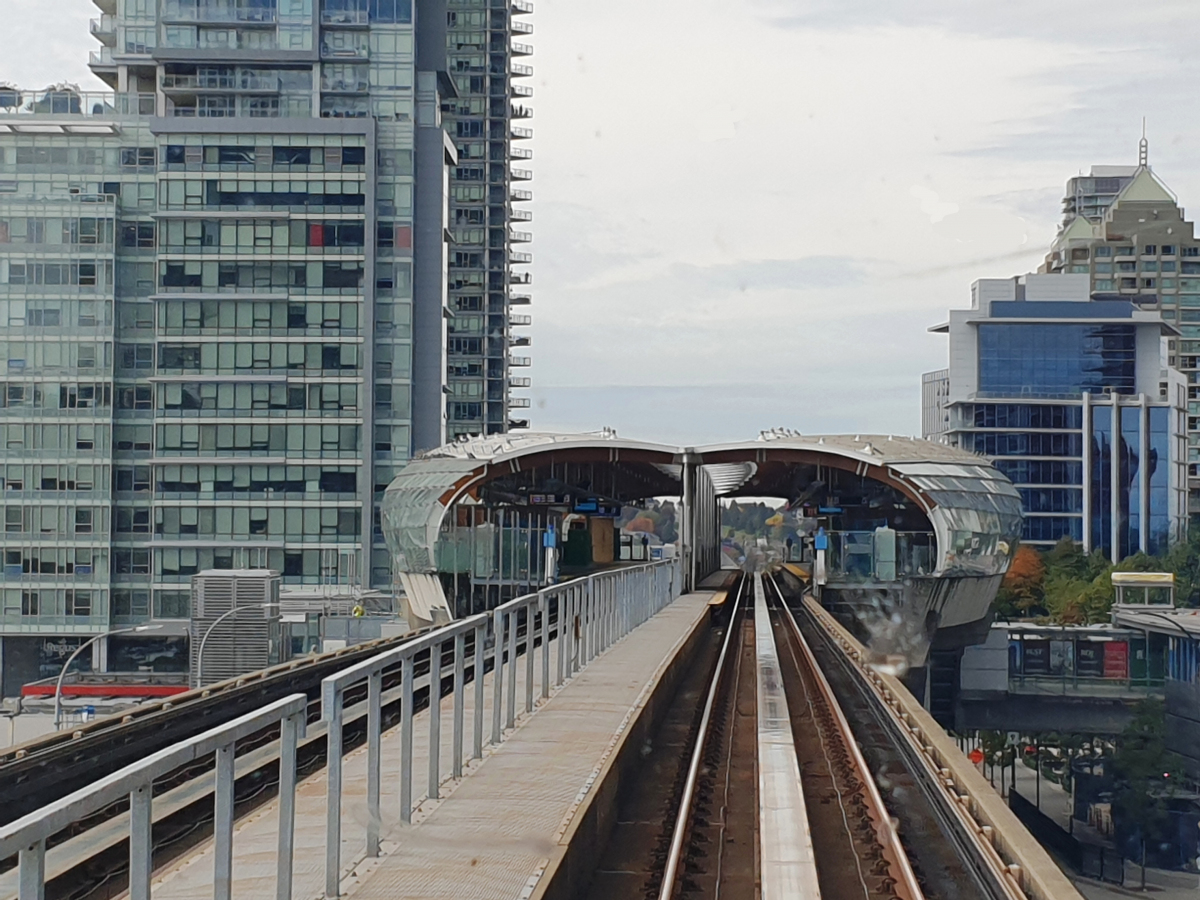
x: 70, y: 659
x: 209, y: 630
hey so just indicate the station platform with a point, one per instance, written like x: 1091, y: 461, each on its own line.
x: 494, y: 832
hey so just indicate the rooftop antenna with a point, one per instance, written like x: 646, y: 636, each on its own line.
x: 1143, y: 148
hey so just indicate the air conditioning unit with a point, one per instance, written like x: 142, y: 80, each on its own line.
x: 235, y: 626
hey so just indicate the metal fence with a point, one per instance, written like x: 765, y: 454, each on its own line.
x: 27, y: 836
x: 582, y: 618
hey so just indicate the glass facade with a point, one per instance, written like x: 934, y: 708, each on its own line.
x: 207, y: 359
x: 1035, y: 359
x: 1101, y: 478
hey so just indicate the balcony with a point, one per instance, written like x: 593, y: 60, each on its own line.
x: 519, y: 49
x: 519, y: 299
x: 332, y: 51
x: 520, y: 320
x: 520, y: 257
x: 521, y: 134
x: 219, y: 13
x: 522, y: 90
x: 520, y: 362
x: 102, y: 58
x: 517, y: 424
x: 519, y: 381
x: 521, y: 27
x: 520, y: 70
x: 521, y: 175
x: 521, y: 215
x: 354, y: 85
x: 520, y: 237
x: 256, y: 83
x: 346, y: 18
x: 522, y: 341
x: 104, y: 29
x: 520, y: 195
x: 518, y: 402
x: 520, y: 112
x: 519, y: 7
x: 72, y: 103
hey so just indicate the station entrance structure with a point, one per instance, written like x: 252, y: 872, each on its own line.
x: 909, y: 524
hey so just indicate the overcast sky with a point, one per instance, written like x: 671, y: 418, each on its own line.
x: 748, y: 212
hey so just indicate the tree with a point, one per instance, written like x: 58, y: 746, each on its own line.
x: 1022, y: 588
x: 641, y: 523
x: 1146, y: 773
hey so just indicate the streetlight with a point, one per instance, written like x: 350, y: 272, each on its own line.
x: 80, y: 649
x: 217, y: 621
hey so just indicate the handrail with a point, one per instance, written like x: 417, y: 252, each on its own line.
x: 27, y: 836
x: 599, y: 608
x: 333, y: 688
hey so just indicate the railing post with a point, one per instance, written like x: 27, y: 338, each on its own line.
x: 544, y: 603
x: 564, y: 603
x: 31, y: 874
x: 589, y: 615
x: 435, y: 720
x: 530, y: 613
x: 406, y: 737
x: 223, y: 825
x: 374, y: 739
x: 460, y: 652
x: 333, y: 798
x: 511, y: 719
x: 140, y: 847
x: 497, y: 674
x: 290, y: 732
x: 477, y: 712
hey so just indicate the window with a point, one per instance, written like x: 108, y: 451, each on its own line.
x: 1033, y: 359
x: 1150, y: 250
x: 293, y: 156
x: 130, y: 604
x: 1168, y: 249
x: 14, y: 520
x: 79, y: 603
x: 132, y: 521
x: 140, y: 235
x: 138, y: 157
x: 83, y: 521
x: 30, y: 603
x: 354, y: 156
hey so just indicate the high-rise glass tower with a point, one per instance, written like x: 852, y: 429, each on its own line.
x: 224, y: 287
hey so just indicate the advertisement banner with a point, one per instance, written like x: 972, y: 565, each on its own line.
x: 1116, y: 659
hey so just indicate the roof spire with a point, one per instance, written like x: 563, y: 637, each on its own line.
x: 1143, y: 148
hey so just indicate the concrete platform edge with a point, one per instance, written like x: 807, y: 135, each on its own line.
x: 580, y: 846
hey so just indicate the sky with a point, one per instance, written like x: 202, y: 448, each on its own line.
x: 748, y: 213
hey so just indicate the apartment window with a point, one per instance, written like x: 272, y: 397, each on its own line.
x: 30, y: 603
x: 1150, y: 250
x: 354, y: 156
x: 1103, y: 251
x: 14, y: 520
x: 172, y: 605
x: 138, y: 235
x: 83, y: 521
x: 130, y: 604
x: 1168, y: 249
x: 137, y: 157
x: 79, y: 603
x: 293, y: 156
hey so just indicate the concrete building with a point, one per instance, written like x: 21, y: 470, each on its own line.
x: 1124, y: 230
x: 223, y: 288
x: 489, y: 275
x: 1066, y: 392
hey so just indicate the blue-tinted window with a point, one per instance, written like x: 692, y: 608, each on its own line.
x: 1055, y: 359
x: 1101, y: 478
x: 1159, y: 465
x: 1052, y: 528
x: 1130, y: 484
x: 1019, y: 415
x: 1052, y: 500
x: 1041, y: 471
x: 391, y: 11
x: 1035, y: 444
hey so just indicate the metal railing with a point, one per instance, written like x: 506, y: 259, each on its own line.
x: 371, y: 670
x: 597, y: 610
x: 28, y: 835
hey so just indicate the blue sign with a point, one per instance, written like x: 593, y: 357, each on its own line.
x: 821, y: 540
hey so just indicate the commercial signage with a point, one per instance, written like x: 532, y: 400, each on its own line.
x: 1116, y: 659
x: 1089, y: 659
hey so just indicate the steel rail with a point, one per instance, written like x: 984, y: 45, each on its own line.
x: 885, y: 831
x: 972, y: 839
x: 675, y: 854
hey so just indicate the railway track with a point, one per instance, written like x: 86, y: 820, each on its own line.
x: 831, y: 804
x: 98, y: 868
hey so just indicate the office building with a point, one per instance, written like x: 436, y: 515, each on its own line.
x: 1125, y: 231
x: 1066, y: 393
x: 224, y: 300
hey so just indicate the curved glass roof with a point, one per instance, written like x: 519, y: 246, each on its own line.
x: 974, y: 509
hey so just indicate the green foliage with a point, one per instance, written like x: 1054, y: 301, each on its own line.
x: 661, y: 516
x: 1074, y: 588
x: 1146, y: 774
